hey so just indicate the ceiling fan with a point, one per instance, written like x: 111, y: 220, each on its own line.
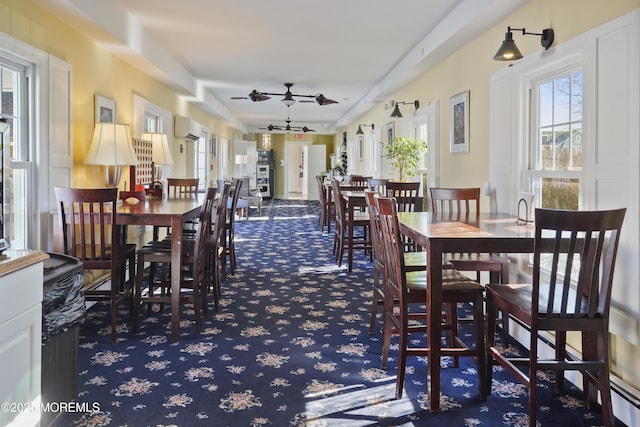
x: 288, y: 99
x: 288, y: 127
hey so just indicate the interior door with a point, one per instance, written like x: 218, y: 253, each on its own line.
x: 315, y: 161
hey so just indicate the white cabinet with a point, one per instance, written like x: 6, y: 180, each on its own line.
x: 21, y: 279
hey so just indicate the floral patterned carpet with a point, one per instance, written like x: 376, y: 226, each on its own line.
x: 289, y: 347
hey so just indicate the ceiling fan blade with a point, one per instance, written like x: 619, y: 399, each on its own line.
x: 239, y: 97
x: 307, y: 100
x: 256, y: 96
x: 322, y: 100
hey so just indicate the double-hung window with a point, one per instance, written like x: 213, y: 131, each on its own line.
x: 555, y: 151
x: 14, y: 80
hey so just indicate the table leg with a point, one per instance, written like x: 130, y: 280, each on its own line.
x: 350, y: 237
x: 176, y: 269
x: 434, y: 313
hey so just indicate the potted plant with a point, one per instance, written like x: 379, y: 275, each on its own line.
x: 405, y: 155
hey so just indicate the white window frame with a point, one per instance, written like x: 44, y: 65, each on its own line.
x: 530, y: 170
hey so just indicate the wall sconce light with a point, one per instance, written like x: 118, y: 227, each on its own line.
x: 509, y: 51
x: 360, y: 132
x: 396, y: 111
x: 112, y: 148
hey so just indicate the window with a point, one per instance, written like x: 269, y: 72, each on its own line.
x: 201, y: 162
x: 14, y: 82
x: 556, y: 143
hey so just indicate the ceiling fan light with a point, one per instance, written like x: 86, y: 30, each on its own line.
x: 288, y: 100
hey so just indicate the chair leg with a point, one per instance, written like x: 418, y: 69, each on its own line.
x: 387, y: 331
x: 374, y: 300
x: 137, y: 293
x: 490, y: 341
x: 402, y: 357
x: 478, y: 320
x: 452, y: 333
x: 533, y: 379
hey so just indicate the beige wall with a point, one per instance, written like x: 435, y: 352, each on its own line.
x: 94, y: 71
x: 470, y: 69
x: 97, y: 71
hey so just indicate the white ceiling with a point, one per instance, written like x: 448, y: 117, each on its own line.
x: 356, y: 52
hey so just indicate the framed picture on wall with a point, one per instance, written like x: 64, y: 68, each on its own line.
x: 105, y: 109
x: 459, y: 132
x: 390, y: 133
x: 214, y: 147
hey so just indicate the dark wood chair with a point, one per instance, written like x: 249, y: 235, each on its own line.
x: 464, y: 203
x: 230, y: 246
x: 413, y: 261
x: 573, y: 264
x: 179, y: 187
x: 407, y: 195
x: 182, y: 187
x: 327, y: 210
x: 379, y: 185
x: 87, y: 219
x: 402, y: 288
x: 343, y: 228
x: 357, y: 182
x: 218, y: 241
x: 453, y: 204
x: 193, y: 277
x: 408, y: 199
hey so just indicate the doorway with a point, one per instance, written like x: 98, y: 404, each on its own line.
x: 293, y: 168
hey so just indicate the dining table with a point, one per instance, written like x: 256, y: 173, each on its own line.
x: 481, y: 233
x: 171, y: 212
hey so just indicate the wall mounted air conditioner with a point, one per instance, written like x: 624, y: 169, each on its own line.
x: 184, y: 127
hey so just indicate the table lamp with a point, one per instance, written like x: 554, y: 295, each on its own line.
x: 160, y: 156
x: 112, y: 148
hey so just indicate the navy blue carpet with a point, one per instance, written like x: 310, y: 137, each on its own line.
x: 289, y: 346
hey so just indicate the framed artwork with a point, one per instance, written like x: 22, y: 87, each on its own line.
x: 459, y: 132
x: 214, y: 147
x: 390, y: 132
x: 105, y: 109
x: 360, y: 147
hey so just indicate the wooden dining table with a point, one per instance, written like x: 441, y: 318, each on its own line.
x: 172, y: 212
x: 484, y: 233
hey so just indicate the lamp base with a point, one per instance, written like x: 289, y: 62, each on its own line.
x: 112, y: 176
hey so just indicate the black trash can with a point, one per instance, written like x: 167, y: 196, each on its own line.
x: 63, y: 310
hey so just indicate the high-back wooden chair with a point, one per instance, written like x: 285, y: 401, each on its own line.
x: 194, y: 275
x: 407, y: 195
x: 230, y: 246
x: 573, y: 263
x: 322, y: 197
x: 218, y: 241
x: 182, y: 187
x: 463, y: 204
x: 379, y: 185
x: 357, y: 182
x: 88, y: 222
x: 343, y: 228
x: 413, y: 261
x: 402, y: 288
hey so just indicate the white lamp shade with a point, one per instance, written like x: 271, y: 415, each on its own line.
x: 111, y: 146
x: 161, y: 154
